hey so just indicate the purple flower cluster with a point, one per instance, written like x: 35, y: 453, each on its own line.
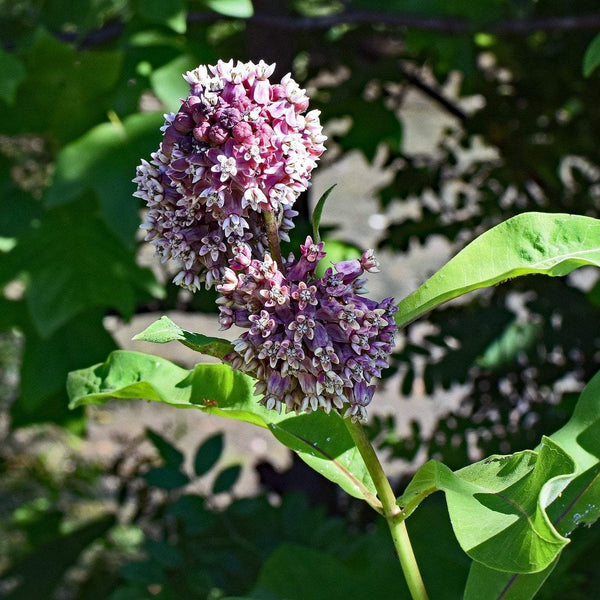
x: 312, y: 343
x: 239, y: 145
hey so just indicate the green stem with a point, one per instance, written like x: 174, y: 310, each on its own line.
x: 391, y: 512
x: 273, y: 237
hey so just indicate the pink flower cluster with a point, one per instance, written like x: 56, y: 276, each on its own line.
x: 312, y: 342
x: 239, y: 145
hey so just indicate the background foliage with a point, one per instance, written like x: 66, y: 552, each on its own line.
x: 81, y: 98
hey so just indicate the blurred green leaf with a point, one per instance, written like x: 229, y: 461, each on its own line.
x: 46, y: 362
x: 12, y: 73
x: 164, y: 330
x: 296, y: 573
x: 591, y: 58
x: 168, y: 82
x: 549, y: 244
x: 164, y: 554
x: 166, y: 478
x: 516, y: 338
x: 208, y: 454
x: 242, y: 9
x: 226, y: 479
x: 74, y: 262
x: 39, y: 573
x: 170, y: 13
x: 65, y: 91
x: 172, y: 456
x: 104, y: 160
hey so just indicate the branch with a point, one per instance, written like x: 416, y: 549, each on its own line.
x: 450, y: 25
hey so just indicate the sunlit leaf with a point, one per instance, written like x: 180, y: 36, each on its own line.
x: 530, y: 243
x: 242, y: 9
x: 164, y: 330
x: 321, y: 440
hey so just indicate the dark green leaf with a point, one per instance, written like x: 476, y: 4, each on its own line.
x: 549, y: 244
x: 591, y: 59
x: 173, y: 458
x: 40, y: 572
x: 297, y: 573
x: 166, y: 555
x: 226, y: 479
x: 46, y: 363
x: 166, y: 478
x: 168, y: 82
x: 12, y: 72
x: 208, y: 454
x: 164, y: 330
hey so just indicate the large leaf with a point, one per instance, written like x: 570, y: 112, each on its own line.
x: 591, y: 58
x: 549, y: 244
x: 320, y: 440
x: 65, y: 91
x: 74, y: 262
x: 527, y: 504
x: 164, y: 330
x: 104, y: 160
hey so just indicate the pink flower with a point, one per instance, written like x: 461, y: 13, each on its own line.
x: 239, y: 145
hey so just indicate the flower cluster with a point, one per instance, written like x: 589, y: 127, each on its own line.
x: 312, y: 343
x: 238, y: 146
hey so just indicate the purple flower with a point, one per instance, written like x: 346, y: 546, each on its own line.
x: 239, y: 145
x: 312, y: 343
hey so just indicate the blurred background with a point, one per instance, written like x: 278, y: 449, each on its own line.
x: 444, y: 118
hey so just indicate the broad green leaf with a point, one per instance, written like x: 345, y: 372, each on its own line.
x: 323, y: 442
x: 498, y: 506
x: 591, y: 58
x: 74, y: 262
x: 12, y: 72
x: 316, y: 216
x: 337, y: 251
x: 548, y: 244
x: 241, y: 9
x: 104, y: 160
x: 164, y: 330
x: 168, y: 82
x: 208, y: 454
x: 555, y: 488
x: 65, y: 91
x: 320, y: 440
x: 484, y: 583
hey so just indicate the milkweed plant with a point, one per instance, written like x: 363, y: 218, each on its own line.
x: 220, y: 193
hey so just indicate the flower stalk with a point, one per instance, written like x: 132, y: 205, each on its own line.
x: 391, y: 511
x: 272, y: 230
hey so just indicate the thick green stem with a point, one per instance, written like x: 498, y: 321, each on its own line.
x: 391, y: 512
x: 272, y: 229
